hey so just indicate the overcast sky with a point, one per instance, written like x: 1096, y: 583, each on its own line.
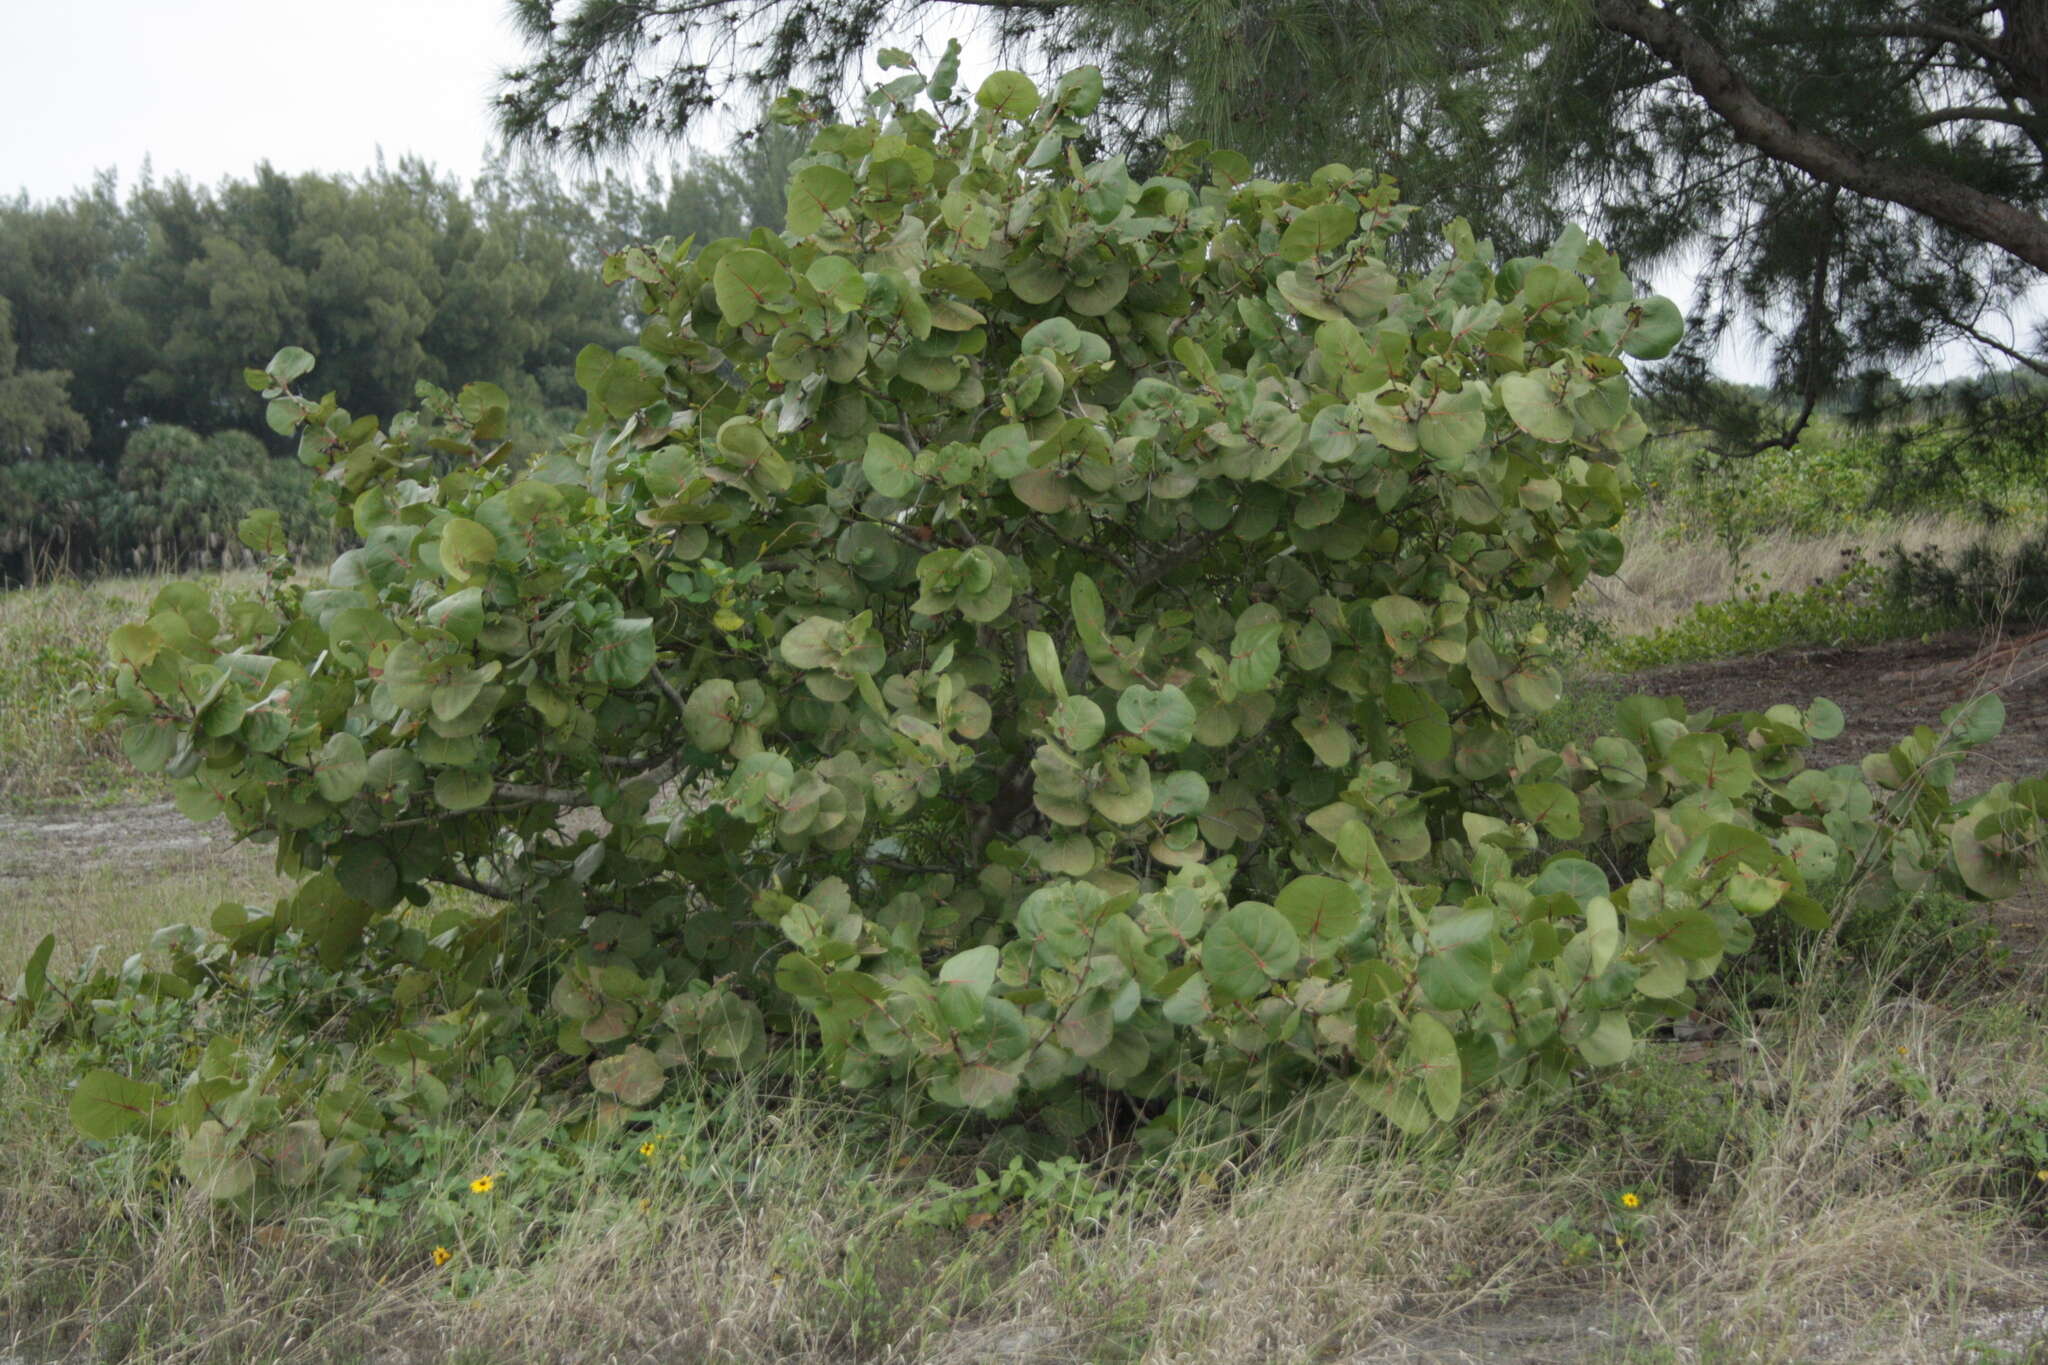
x: 209, y: 88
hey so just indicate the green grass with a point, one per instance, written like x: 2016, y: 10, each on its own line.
x: 52, y: 642
x: 104, y: 900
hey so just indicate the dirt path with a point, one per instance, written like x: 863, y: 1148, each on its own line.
x: 143, y: 837
x: 1537, y: 1334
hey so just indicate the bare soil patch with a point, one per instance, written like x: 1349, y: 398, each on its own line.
x: 144, y: 838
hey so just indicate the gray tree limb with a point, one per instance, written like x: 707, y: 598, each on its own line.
x: 1715, y: 80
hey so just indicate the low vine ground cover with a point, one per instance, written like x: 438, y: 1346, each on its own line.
x: 1845, y: 1175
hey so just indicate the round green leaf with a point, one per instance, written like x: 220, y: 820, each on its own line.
x: 466, y: 547
x: 747, y: 281
x: 814, y: 193
x: 622, y: 652
x: 1164, y: 717
x: 634, y: 1078
x: 460, y: 789
x: 1575, y: 877
x: 1079, y: 91
x: 1976, y: 721
x: 1313, y: 231
x: 341, y: 767
x: 889, y: 466
x: 1533, y: 402
x: 461, y: 614
x: 1824, y: 720
x: 1010, y: 94
x: 1434, y: 1054
x: 288, y: 364
x: 107, y: 1105
x: 1247, y: 949
x: 1322, y: 910
x: 1078, y: 723
x: 710, y: 715
x: 1123, y: 792
x: 1405, y: 622
x: 1655, y: 325
x: 1180, y: 794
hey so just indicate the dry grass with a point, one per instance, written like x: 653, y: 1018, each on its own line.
x: 1664, y: 576
x: 1820, y: 1235
x: 114, y: 900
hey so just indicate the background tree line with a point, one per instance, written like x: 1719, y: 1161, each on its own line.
x: 127, y: 437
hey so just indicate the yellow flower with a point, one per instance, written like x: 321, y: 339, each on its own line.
x: 483, y: 1184
x: 1631, y: 1200
x: 442, y: 1256
x: 2041, y: 1176
x: 647, y: 1149
x: 1902, y: 1051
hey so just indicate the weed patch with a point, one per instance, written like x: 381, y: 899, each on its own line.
x: 1850, y: 608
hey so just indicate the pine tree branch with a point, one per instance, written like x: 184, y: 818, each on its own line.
x: 1974, y: 113
x: 2033, y: 363
x: 1714, y: 78
x: 1929, y: 32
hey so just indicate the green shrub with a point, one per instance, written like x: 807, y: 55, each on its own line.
x: 173, y: 504
x: 1823, y: 486
x: 1834, y: 481
x: 1023, y: 633
x: 181, y: 496
x: 1979, y: 584
x: 50, y: 518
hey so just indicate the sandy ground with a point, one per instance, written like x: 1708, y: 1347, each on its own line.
x: 145, y: 837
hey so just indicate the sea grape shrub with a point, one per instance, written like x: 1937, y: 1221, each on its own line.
x: 1030, y: 631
